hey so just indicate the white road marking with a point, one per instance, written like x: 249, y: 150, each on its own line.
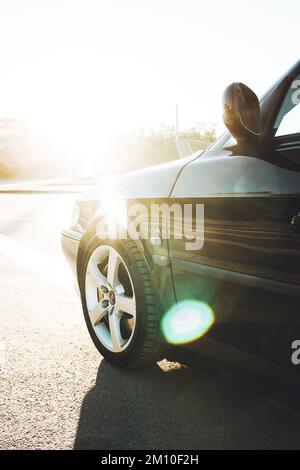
x: 52, y: 268
x: 29, y: 219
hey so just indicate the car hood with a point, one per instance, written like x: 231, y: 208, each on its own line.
x: 153, y: 182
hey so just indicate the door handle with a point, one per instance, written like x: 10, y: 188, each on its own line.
x: 295, y: 223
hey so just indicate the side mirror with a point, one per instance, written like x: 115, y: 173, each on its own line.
x: 241, y: 112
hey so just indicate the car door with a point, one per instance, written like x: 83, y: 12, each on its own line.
x: 248, y: 270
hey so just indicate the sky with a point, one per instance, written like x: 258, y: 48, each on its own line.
x: 81, y: 71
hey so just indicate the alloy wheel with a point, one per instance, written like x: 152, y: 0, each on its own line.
x: 110, y: 298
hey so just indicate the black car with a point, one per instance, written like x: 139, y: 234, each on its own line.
x: 216, y: 252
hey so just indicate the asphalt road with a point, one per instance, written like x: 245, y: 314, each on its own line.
x: 56, y: 392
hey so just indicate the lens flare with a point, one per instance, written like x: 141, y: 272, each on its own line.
x: 187, y: 321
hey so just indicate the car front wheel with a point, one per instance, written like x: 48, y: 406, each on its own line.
x: 120, y: 305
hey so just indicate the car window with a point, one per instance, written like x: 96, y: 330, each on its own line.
x: 288, y: 120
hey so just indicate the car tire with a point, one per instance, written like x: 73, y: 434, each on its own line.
x: 143, y: 343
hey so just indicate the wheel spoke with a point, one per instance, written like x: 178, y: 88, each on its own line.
x: 126, y: 304
x: 115, y: 333
x: 97, y: 314
x: 119, y: 289
x: 112, y: 269
x: 97, y: 276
